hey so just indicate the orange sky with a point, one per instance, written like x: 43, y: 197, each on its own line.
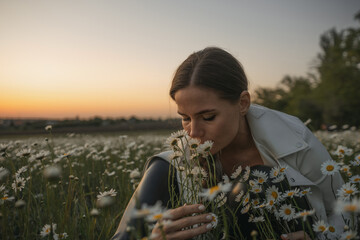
x: 116, y: 58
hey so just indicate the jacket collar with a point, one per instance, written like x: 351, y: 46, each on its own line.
x: 274, y: 132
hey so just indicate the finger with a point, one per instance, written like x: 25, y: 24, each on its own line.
x: 189, y: 233
x: 185, y: 222
x: 186, y: 210
x: 300, y: 235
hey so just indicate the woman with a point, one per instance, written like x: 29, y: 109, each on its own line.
x: 210, y: 90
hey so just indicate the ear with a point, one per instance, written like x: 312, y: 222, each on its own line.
x: 244, y: 102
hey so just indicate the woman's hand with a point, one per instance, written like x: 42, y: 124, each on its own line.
x: 181, y: 218
x: 300, y: 235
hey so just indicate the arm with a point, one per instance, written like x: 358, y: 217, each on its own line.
x: 152, y: 188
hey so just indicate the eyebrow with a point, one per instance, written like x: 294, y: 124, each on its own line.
x: 199, y: 113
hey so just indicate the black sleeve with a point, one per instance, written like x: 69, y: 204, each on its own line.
x: 152, y: 188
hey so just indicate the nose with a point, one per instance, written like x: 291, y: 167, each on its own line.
x: 196, y: 131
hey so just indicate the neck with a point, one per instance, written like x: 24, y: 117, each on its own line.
x: 242, y: 151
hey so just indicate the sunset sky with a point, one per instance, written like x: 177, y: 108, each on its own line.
x: 113, y: 58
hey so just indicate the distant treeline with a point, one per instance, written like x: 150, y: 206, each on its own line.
x: 329, y: 95
x: 95, y: 124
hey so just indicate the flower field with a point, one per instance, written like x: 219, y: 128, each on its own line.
x: 77, y: 186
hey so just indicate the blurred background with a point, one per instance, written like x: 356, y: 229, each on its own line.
x: 110, y: 63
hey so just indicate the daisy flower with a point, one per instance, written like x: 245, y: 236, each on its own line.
x: 291, y: 193
x: 272, y: 192
x: 278, y: 179
x: 237, y: 172
x: 246, y: 174
x: 287, y: 212
x: 210, y: 193
x: 110, y: 193
x: 342, y: 150
x: 239, y: 196
x: 262, y: 176
x: 47, y: 229
x: 133, y: 174
x: 356, y: 162
x: 246, y: 199
x: 256, y: 189
x: 179, y: 134
x: 60, y: 236
x: 204, y: 149
x: 320, y: 226
x: 330, y: 167
x: 245, y: 209
x: 270, y: 204
x: 349, y: 235
x: 193, y: 143
x: 220, y: 200
x: 304, y: 214
x: 24, y: 152
x: 355, y: 179
x: 352, y: 206
x: 257, y: 219
x: 214, y: 220
x: 255, y: 202
x: 346, y: 191
x: 304, y: 192
x: 18, y: 184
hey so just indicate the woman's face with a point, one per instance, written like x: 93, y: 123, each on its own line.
x: 206, y: 116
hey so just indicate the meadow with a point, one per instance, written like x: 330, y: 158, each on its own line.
x: 76, y: 186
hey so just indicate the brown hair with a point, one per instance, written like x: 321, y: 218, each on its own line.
x: 212, y: 68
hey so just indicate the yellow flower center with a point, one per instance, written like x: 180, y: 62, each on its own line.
x: 331, y: 229
x: 47, y: 230
x: 274, y: 195
x: 261, y: 180
x: 290, y: 194
x: 330, y: 168
x: 350, y: 208
x: 4, y: 198
x: 287, y: 211
x: 214, y: 189
x: 349, y: 191
x: 282, y: 169
x: 322, y: 228
x: 341, y: 151
x: 157, y: 216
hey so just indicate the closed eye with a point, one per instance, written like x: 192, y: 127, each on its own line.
x: 209, y: 118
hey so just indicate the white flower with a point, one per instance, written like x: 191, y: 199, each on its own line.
x: 278, y: 179
x: 60, y: 236
x: 352, y: 206
x: 225, y: 178
x: 262, y: 176
x: 304, y: 192
x: 210, y: 193
x: 273, y: 192
x: 47, y: 229
x: 20, y: 171
x: 135, y: 173
x: 346, y: 191
x: 193, y: 143
x: 330, y: 167
x: 342, y: 150
x: 349, y: 235
x: 237, y: 172
x: 204, y: 149
x: 256, y: 188
x: 287, y: 212
x: 220, y: 200
x: 356, y: 162
x: 304, y: 214
x: 246, y: 199
x: 179, y: 134
x: 355, y: 179
x: 110, y: 193
x: 214, y: 220
x: 24, y: 152
x: 246, y: 174
x: 257, y: 219
x: 48, y: 128
x: 18, y: 184
x: 291, y: 193
x: 320, y: 226
x: 239, y: 196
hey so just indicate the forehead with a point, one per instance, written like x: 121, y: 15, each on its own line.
x: 192, y: 99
